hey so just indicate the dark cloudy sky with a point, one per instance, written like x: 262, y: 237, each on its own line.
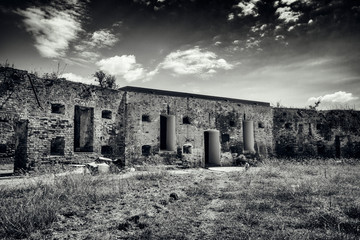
x: 289, y: 51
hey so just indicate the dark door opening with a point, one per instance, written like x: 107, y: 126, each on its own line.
x: 20, y: 158
x: 162, y: 132
x: 337, y: 147
x: 83, y: 129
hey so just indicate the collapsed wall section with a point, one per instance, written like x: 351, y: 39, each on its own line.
x: 311, y: 133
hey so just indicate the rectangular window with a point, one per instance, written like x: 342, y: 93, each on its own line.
x: 106, y: 114
x: 57, y: 146
x: 106, y: 150
x: 2, y: 148
x: 145, y: 118
x: 187, y: 149
x: 225, y: 138
x: 83, y: 129
x: 186, y: 120
x: 57, y: 108
x: 146, y: 150
x: 301, y: 128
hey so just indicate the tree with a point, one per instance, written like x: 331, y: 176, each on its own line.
x: 105, y: 80
x: 316, y: 104
x: 110, y: 81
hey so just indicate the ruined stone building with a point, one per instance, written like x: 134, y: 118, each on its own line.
x: 47, y: 120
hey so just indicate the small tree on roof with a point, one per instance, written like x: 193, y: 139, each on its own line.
x: 316, y: 104
x: 105, y: 80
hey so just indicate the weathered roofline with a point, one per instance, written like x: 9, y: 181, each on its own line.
x: 190, y: 95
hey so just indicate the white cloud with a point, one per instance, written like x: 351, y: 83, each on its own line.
x: 194, y: 61
x: 287, y: 15
x: 291, y: 28
x: 89, y: 55
x: 88, y: 49
x: 76, y: 78
x: 103, y: 38
x: 252, y: 43
x: 98, y: 39
x: 288, y: 2
x: 248, y: 8
x: 217, y: 43
x: 254, y: 29
x: 231, y: 16
x: 52, y: 29
x: 337, y: 97
x: 279, y: 37
x: 124, y: 66
x: 117, y: 24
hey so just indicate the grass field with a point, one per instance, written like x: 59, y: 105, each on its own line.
x: 277, y: 200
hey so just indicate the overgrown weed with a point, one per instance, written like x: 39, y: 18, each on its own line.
x: 153, y: 176
x: 26, y: 209
x: 282, y: 200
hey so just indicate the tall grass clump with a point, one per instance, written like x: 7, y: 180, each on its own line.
x: 23, y: 212
x: 36, y: 205
x: 152, y: 176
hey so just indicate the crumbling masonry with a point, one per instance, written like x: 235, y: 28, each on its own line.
x: 44, y: 120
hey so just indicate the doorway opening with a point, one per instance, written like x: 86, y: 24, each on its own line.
x: 83, y: 129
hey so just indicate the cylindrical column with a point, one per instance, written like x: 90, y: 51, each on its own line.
x: 248, y: 133
x: 170, y: 133
x: 212, y: 147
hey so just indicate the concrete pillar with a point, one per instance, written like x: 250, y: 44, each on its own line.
x: 170, y: 133
x: 248, y: 134
x: 212, y: 147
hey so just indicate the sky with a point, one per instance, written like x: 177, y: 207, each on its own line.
x: 290, y: 53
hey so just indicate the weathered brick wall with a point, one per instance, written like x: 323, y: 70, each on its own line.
x: 44, y: 125
x: 226, y: 116
x: 310, y: 133
x: 129, y: 129
x: 7, y: 140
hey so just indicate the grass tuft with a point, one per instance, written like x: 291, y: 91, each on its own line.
x: 280, y: 200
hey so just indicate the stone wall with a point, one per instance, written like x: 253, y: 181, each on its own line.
x: 49, y: 106
x: 310, y: 133
x: 58, y: 120
x: 8, y: 138
x: 193, y: 115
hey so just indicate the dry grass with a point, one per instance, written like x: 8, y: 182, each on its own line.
x: 281, y: 200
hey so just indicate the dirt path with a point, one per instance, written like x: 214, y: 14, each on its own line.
x: 14, y: 181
